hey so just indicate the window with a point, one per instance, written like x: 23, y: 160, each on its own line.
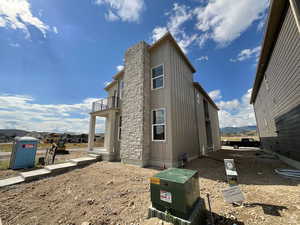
x: 157, y: 75
x: 266, y: 82
x: 158, y: 125
x: 198, y: 97
x: 121, y: 87
x: 120, y: 128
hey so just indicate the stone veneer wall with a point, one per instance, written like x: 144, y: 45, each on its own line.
x: 135, y: 143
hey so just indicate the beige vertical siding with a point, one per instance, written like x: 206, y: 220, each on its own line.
x: 214, y: 120
x: 161, y: 151
x: 184, y: 127
x: 279, y: 93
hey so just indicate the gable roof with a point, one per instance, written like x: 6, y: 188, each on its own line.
x: 168, y: 37
x: 277, y: 12
x: 202, y: 91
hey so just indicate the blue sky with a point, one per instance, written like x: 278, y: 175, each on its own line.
x: 56, y: 56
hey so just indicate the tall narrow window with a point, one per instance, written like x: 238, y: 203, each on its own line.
x: 120, y: 128
x: 198, y: 97
x: 158, y: 125
x: 157, y: 75
x: 266, y: 82
x: 121, y: 87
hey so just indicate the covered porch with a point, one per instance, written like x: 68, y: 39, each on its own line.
x: 109, y: 109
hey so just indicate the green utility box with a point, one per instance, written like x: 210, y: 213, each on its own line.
x: 175, y: 191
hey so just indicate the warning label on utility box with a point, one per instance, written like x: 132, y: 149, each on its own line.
x: 165, y: 196
x: 28, y: 146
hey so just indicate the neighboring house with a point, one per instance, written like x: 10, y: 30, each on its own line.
x: 276, y: 90
x: 155, y: 112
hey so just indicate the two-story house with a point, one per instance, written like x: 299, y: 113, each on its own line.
x: 155, y: 113
x: 276, y: 90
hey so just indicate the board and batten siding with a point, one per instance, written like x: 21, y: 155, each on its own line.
x: 184, y: 127
x: 277, y: 105
x: 214, y: 122
x: 215, y: 128
x: 161, y: 151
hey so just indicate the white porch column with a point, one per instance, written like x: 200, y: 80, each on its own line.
x: 92, y: 132
x: 109, y: 140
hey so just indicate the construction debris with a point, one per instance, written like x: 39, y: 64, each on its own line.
x: 288, y: 173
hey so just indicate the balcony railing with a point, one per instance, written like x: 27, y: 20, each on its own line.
x: 105, y: 104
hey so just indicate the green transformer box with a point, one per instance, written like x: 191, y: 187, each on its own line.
x: 175, y: 191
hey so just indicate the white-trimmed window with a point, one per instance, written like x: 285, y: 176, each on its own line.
x: 158, y: 125
x: 157, y: 77
x: 120, y: 128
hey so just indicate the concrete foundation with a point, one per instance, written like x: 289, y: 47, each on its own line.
x: 35, y: 174
x: 197, y: 216
x: 83, y: 161
x: 60, y: 168
x: 11, y: 181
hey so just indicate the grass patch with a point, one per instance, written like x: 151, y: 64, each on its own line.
x: 4, y: 165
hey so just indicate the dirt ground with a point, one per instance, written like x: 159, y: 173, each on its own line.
x: 113, y: 193
x: 6, y: 173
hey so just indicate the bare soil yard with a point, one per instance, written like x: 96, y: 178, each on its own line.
x: 113, y: 193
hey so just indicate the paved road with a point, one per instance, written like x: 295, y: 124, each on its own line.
x: 6, y: 155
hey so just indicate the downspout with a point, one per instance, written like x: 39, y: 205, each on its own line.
x: 295, y: 6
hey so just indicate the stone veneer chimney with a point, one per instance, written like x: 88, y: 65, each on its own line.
x: 136, y: 127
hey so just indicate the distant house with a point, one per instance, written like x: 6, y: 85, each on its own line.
x: 155, y: 113
x: 276, y: 90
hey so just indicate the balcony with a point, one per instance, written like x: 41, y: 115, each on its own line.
x: 106, y: 104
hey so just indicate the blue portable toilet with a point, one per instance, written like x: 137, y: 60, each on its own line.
x: 23, y: 153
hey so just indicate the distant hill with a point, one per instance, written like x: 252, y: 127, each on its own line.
x: 13, y: 132
x: 239, y: 131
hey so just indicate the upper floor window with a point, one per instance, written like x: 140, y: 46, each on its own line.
x: 157, y: 75
x: 158, y: 125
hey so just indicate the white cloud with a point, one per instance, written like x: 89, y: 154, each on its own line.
x: 225, y: 20
x: 55, y: 30
x: 120, y: 67
x: 247, y: 54
x: 21, y: 112
x: 236, y: 113
x: 203, y: 58
x: 158, y: 32
x: 106, y: 83
x: 17, y: 14
x: 15, y: 45
x: 215, y: 95
x: 125, y: 10
x: 201, y: 40
x: 220, y: 20
x: 178, y: 16
x: 262, y: 22
x: 110, y: 16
